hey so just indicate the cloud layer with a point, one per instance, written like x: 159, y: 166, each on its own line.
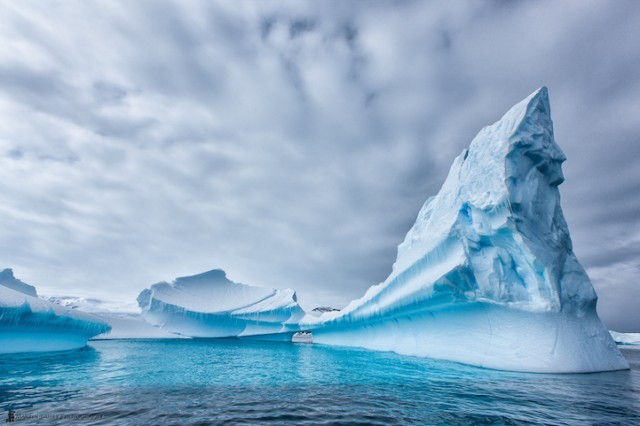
x: 292, y: 144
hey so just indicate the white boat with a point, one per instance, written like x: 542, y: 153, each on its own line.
x: 302, y: 337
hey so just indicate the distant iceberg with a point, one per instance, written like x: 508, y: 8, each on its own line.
x: 9, y: 281
x: 125, y: 319
x: 487, y: 276
x: 31, y: 324
x: 626, y: 339
x: 210, y: 305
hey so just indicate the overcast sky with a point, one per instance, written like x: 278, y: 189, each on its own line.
x: 293, y: 143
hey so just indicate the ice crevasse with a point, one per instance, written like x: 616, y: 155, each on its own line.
x: 487, y: 275
x: 31, y: 324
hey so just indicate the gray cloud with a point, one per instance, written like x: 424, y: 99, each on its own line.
x: 292, y: 144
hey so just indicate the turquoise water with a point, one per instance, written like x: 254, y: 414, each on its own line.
x: 199, y: 382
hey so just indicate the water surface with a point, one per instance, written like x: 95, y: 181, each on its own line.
x: 189, y: 382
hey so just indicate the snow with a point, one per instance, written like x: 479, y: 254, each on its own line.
x: 32, y: 324
x: 487, y: 275
x: 94, y: 305
x: 210, y: 305
x: 631, y: 339
x: 124, y: 318
x: 131, y: 326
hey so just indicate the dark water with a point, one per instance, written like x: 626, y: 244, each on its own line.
x: 242, y: 382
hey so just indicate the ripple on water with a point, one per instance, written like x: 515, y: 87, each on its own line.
x: 242, y: 382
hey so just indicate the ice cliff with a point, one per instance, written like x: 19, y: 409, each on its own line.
x: 31, y: 324
x: 210, y: 305
x: 487, y: 276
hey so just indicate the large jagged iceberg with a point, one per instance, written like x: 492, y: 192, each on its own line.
x: 487, y: 276
x: 31, y: 324
x: 210, y: 305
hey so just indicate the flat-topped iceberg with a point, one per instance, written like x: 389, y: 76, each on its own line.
x: 487, y: 276
x: 626, y: 339
x: 31, y: 324
x: 210, y: 305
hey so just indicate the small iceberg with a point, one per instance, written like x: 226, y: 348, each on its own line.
x: 31, y: 324
x: 626, y: 339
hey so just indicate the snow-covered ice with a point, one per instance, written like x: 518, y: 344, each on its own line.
x: 124, y: 318
x: 487, y: 275
x: 32, y: 324
x: 210, y: 305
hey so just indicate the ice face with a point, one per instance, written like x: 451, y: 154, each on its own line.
x: 487, y: 275
x: 210, y: 305
x: 31, y: 324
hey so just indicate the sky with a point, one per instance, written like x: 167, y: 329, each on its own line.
x: 292, y: 144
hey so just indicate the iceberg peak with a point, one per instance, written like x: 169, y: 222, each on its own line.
x: 211, y: 276
x: 534, y: 104
x: 7, y: 279
x: 6, y: 274
x: 535, y: 108
x: 501, y: 195
x: 214, y: 277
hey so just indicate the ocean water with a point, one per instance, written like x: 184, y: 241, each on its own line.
x: 198, y: 382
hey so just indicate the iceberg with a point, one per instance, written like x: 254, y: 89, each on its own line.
x: 626, y: 339
x: 9, y: 281
x: 32, y: 324
x: 487, y: 275
x: 209, y: 305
